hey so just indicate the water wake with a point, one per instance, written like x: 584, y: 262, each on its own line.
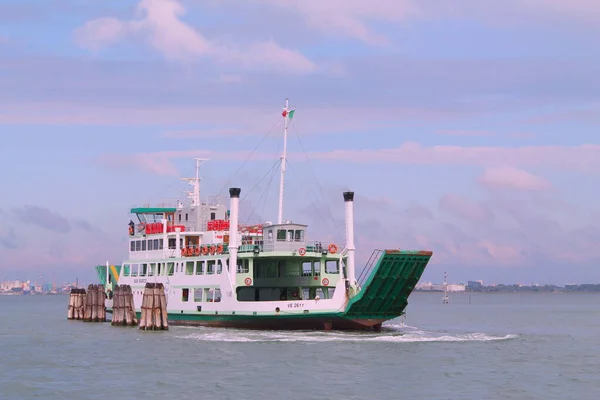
x: 390, y: 333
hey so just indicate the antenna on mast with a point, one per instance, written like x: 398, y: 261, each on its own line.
x: 287, y: 115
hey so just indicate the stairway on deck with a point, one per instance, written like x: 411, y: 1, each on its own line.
x: 387, y: 280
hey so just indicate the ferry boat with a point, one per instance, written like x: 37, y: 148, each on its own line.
x: 218, y: 272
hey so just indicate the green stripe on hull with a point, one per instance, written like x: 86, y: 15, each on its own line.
x: 280, y: 322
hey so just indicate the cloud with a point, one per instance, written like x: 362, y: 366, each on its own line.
x: 458, y: 132
x: 9, y: 239
x: 52, y: 221
x: 585, y: 157
x: 512, y: 178
x: 466, y: 209
x: 159, y: 23
x: 582, y: 158
x: 350, y: 18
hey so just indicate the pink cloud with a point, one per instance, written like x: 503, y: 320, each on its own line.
x: 350, y: 17
x: 459, y: 132
x: 585, y: 157
x: 159, y: 22
x: 512, y: 178
x: 465, y: 208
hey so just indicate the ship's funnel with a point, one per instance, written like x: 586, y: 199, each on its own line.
x: 234, y: 194
x: 349, y: 204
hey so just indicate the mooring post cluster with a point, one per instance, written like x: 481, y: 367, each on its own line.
x: 90, y: 306
x: 87, y: 305
x: 154, y: 308
x: 123, y: 307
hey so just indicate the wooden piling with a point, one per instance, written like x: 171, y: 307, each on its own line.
x: 76, y: 298
x: 123, y: 307
x: 154, y: 309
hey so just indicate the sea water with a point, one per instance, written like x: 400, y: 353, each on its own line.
x: 479, y: 346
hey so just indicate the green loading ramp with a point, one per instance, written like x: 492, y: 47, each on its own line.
x: 387, y: 280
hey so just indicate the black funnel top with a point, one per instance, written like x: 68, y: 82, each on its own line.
x: 234, y: 192
x: 348, y: 196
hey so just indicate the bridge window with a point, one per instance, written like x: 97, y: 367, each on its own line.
x: 243, y: 266
x: 138, y: 245
x: 332, y: 267
x: 150, y: 245
x: 132, y: 245
x: 213, y: 216
x: 299, y: 236
x: 143, y: 245
x: 280, y: 234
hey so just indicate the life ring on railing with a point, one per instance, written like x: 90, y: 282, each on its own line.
x: 130, y: 231
x: 204, y: 250
x: 333, y: 248
x: 141, y: 226
x: 190, y: 251
x: 183, y: 252
x: 197, y: 251
x: 213, y: 249
x: 248, y: 281
x: 302, y: 251
x: 220, y: 248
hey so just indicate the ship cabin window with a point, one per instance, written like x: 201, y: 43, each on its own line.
x: 172, y: 242
x: 219, y: 266
x: 185, y: 294
x: 186, y: 216
x: 170, y: 268
x: 199, y: 267
x: 134, y: 269
x: 138, y: 245
x: 143, y: 245
x: 270, y: 234
x: 126, y: 270
x: 307, y: 269
x: 243, y: 266
x: 213, y: 216
x: 150, y: 245
x: 198, y: 295
x: 179, y: 217
x: 132, y: 245
x: 144, y: 270
x: 210, y: 267
x: 281, y: 234
x: 299, y: 235
x: 332, y: 267
x: 217, y: 295
x: 189, y: 268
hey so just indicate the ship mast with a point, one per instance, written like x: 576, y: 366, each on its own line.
x: 194, y: 195
x: 283, y: 161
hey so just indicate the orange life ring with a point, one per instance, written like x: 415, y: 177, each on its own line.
x: 213, y: 249
x: 190, y: 251
x: 302, y: 251
x: 183, y: 252
x: 325, y: 281
x: 141, y: 226
x: 131, y: 231
x: 197, y: 251
x: 333, y: 248
x: 204, y: 250
x: 248, y: 281
x: 220, y: 248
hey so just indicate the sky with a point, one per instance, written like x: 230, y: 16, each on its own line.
x: 466, y: 128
